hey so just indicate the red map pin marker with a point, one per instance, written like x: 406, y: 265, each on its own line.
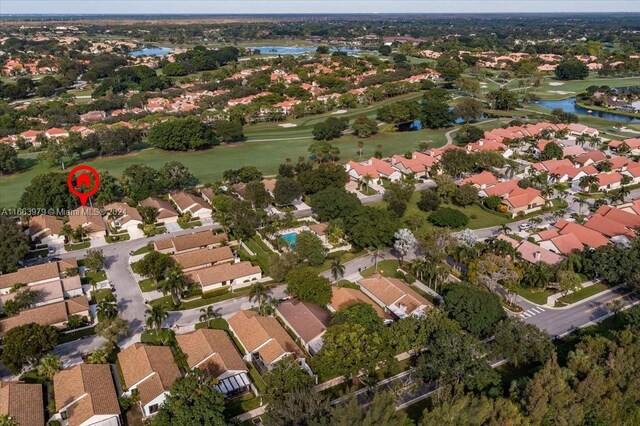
x: 83, y: 180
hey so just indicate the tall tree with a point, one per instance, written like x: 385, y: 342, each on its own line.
x: 13, y: 245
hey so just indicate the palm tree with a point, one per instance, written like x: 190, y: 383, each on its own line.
x: 268, y: 306
x: 99, y: 356
x: 107, y: 308
x: 258, y: 292
x: 208, y: 314
x: 581, y: 200
x: 360, y: 146
x: 49, y: 365
x: 366, y: 180
x: 155, y: 316
x: 586, y: 182
x: 174, y: 284
x: 337, y: 269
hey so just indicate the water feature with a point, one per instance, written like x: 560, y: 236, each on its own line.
x: 151, y: 51
x: 298, y: 50
x: 569, y: 105
x: 290, y: 238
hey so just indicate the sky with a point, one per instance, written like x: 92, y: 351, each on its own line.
x: 310, y: 6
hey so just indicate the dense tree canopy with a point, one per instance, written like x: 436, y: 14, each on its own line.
x: 26, y: 344
x: 476, y: 310
x: 14, y: 244
x: 305, y: 284
x: 181, y: 134
x: 8, y: 159
x: 572, y: 69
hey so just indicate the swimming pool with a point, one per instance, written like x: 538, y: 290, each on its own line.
x: 290, y: 238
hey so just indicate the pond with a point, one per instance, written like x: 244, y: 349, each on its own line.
x: 151, y: 51
x: 298, y: 50
x: 569, y: 105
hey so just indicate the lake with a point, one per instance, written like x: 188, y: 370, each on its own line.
x: 298, y: 50
x: 151, y: 51
x: 569, y: 105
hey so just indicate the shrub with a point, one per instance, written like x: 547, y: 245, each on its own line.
x: 409, y: 278
x: 429, y: 200
x: 448, y: 217
x: 493, y: 202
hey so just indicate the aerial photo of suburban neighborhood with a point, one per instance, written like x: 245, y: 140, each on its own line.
x: 319, y: 213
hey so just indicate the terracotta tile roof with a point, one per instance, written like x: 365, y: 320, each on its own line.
x: 307, y: 320
x: 594, y: 156
x: 214, y: 345
x: 521, y: 197
x: 31, y: 274
x: 605, y: 179
x: 87, y: 217
x: 207, y: 193
x: 533, y: 253
x: 223, y: 272
x: 269, y: 184
x: 502, y: 188
x: 418, y: 162
x: 572, y: 150
x: 125, y: 213
x: 547, y: 234
x: 185, y: 201
x: 139, y: 361
x: 608, y: 227
x: 552, y: 165
x: 203, y: 257
x: 22, y: 402
x: 620, y: 216
x: 43, y: 222
x: 618, y: 163
x: 586, y: 236
x: 197, y: 239
x: 51, y: 314
x: 264, y: 335
x: 91, y: 390
x: 392, y: 291
x: 165, y: 209
x: 567, y: 243
x: 345, y: 296
x: 484, y: 178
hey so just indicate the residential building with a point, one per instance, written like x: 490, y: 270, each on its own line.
x: 151, y: 370
x: 191, y: 242
x: 395, y: 296
x: 46, y: 229
x: 306, y: 320
x: 234, y: 275
x: 263, y: 339
x: 90, y: 220
x: 123, y: 217
x: 22, y: 402
x: 192, y: 204
x: 531, y: 252
x: 418, y: 165
x: 86, y: 395
x: 342, y: 297
x: 374, y: 168
x: 166, y: 212
x: 607, y: 181
x: 481, y: 180
x: 587, y: 237
x: 193, y: 260
x: 54, y: 314
x: 214, y: 352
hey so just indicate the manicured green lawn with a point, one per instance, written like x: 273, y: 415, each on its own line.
x: 95, y: 276
x: 535, y: 296
x: 143, y: 250
x: 148, y: 284
x: 386, y: 268
x: 583, y: 294
x: 101, y: 294
x: 75, y: 335
x: 548, y: 91
x: 76, y: 246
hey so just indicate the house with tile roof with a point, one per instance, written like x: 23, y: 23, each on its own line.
x: 122, y: 216
x: 151, y: 370
x: 374, y: 168
x: 562, y: 244
x: 86, y: 395
x: 587, y: 237
x: 607, y: 181
x: 189, y: 203
x: 481, y: 180
x: 90, y: 220
x: 214, y: 352
x: 395, y: 296
x: 418, y: 165
x: 522, y: 201
x: 620, y: 215
x: 46, y: 229
x: 22, y: 402
x: 225, y: 275
x: 608, y: 227
x: 590, y: 157
x: 305, y: 320
x: 342, y: 297
x: 166, y: 212
x: 632, y: 145
x: 54, y: 314
x: 30, y: 136
x: 489, y: 145
x: 531, y: 252
x: 190, y: 242
x: 263, y: 339
x: 204, y: 258
x: 56, y: 133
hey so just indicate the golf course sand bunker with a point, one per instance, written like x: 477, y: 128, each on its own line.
x: 555, y: 83
x: 288, y: 125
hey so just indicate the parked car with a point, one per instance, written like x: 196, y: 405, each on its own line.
x: 525, y: 226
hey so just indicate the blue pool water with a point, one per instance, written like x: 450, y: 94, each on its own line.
x: 290, y: 238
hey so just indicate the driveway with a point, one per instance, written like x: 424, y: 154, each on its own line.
x: 172, y: 228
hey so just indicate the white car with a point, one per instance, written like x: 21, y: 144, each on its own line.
x: 525, y: 226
